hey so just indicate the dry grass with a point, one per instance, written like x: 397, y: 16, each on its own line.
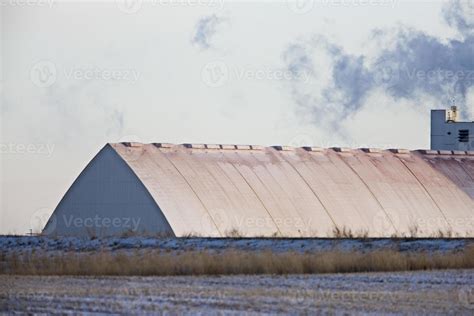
x: 229, y: 262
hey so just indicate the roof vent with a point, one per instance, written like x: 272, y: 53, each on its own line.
x: 428, y: 152
x: 195, y: 146
x: 283, y: 148
x: 244, y: 147
x: 399, y: 151
x: 229, y: 147
x: 163, y: 145
x: 445, y: 152
x: 308, y: 148
x: 371, y: 150
x: 213, y: 146
x: 132, y: 144
x: 341, y: 149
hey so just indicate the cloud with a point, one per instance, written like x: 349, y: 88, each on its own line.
x: 413, y: 66
x: 338, y: 81
x: 205, y: 29
x: 460, y: 15
x: 421, y: 63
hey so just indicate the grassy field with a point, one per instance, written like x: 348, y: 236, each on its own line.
x: 228, y: 262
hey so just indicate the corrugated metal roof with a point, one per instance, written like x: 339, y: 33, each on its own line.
x: 214, y: 190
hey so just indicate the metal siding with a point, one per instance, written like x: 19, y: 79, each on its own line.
x: 456, y: 170
x: 235, y: 213
x: 184, y: 211
x: 217, y: 190
x: 349, y: 202
x: 263, y: 191
x: 206, y: 187
x: 456, y: 206
x: 468, y: 166
x: 402, y: 197
x: 415, y: 202
x: 277, y: 201
x: 310, y: 215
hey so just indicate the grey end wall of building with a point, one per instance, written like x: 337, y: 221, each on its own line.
x: 446, y: 135
x: 107, y: 199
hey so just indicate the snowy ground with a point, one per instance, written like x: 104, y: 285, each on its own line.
x: 429, y: 293
x: 26, y: 244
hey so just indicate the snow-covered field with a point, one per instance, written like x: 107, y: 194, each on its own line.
x: 421, y: 292
x: 429, y: 293
x: 25, y: 244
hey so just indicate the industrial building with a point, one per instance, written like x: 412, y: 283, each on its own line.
x: 252, y: 191
x: 448, y: 133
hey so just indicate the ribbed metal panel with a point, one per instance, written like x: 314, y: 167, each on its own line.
x: 264, y: 191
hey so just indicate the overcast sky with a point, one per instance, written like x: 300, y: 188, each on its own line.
x: 356, y: 73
